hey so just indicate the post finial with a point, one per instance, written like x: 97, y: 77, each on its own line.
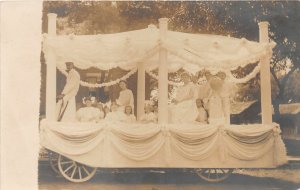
x: 163, y: 20
x: 263, y: 31
x: 52, y: 23
x: 263, y: 24
x: 52, y: 15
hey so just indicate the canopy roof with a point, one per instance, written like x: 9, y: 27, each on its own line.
x: 191, y: 52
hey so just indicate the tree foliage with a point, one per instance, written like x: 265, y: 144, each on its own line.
x: 235, y: 18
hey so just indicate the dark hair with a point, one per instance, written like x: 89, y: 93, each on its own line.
x: 123, y: 81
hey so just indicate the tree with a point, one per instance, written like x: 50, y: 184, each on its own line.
x: 235, y: 18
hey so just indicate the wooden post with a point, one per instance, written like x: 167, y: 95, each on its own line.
x: 163, y: 75
x: 265, y: 77
x: 51, y: 73
x: 140, y: 89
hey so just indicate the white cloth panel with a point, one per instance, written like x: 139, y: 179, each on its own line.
x: 127, y: 145
x: 191, y: 52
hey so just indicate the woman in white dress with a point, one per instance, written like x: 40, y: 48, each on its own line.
x: 219, y: 103
x: 88, y: 113
x: 130, y: 118
x: 125, y: 97
x: 184, y: 109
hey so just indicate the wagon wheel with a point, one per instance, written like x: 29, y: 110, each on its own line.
x: 53, y: 160
x: 214, y: 174
x: 74, y: 171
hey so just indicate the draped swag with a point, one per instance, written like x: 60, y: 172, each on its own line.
x: 147, y: 145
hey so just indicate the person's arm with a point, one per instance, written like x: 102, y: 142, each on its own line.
x: 74, y: 82
x: 131, y: 101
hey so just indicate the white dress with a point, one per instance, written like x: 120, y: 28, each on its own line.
x: 130, y: 118
x: 186, y: 110
x: 88, y: 114
x: 115, y: 116
x: 125, y: 98
x: 149, y: 118
x: 202, y: 116
x: 219, y: 105
x: 67, y: 106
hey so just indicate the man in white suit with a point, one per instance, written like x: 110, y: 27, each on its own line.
x: 66, y: 106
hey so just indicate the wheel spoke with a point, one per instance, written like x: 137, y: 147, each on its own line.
x: 73, y: 172
x: 66, y: 162
x: 86, y: 171
x: 79, y: 171
x: 69, y: 168
x: 208, y: 174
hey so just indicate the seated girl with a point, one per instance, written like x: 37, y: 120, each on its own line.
x: 130, y: 118
x: 115, y: 115
x: 149, y: 116
x: 88, y: 113
x: 202, y: 113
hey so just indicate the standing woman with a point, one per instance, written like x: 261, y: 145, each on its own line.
x: 125, y: 97
x: 219, y: 103
x: 184, y: 109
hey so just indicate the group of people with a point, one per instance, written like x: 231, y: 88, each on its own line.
x: 203, y: 103
x: 94, y: 111
x: 206, y: 103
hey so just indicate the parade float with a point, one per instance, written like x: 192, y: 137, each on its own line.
x: 213, y: 151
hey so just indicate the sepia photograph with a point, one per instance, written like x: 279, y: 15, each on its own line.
x: 165, y: 95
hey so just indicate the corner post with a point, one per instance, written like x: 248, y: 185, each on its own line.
x: 51, y: 72
x: 265, y: 77
x: 163, y: 75
x: 140, y: 89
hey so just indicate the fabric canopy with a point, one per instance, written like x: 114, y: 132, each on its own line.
x: 115, y: 144
x: 191, y: 52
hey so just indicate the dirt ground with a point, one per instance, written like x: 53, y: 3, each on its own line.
x: 291, y: 175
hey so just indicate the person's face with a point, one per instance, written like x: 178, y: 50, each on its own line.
x: 207, y: 76
x: 88, y: 103
x: 128, y: 110
x: 122, y: 85
x: 185, y: 78
x: 114, y: 108
x: 222, y: 75
x: 148, y: 109
x: 69, y: 66
x: 199, y: 103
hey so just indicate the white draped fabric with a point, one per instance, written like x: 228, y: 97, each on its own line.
x: 115, y: 144
x: 126, y: 49
x: 185, y: 111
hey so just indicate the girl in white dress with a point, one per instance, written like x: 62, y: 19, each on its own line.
x: 202, y: 114
x: 115, y: 114
x: 149, y: 116
x: 130, y: 118
x: 88, y: 113
x: 125, y: 97
x: 184, y: 109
